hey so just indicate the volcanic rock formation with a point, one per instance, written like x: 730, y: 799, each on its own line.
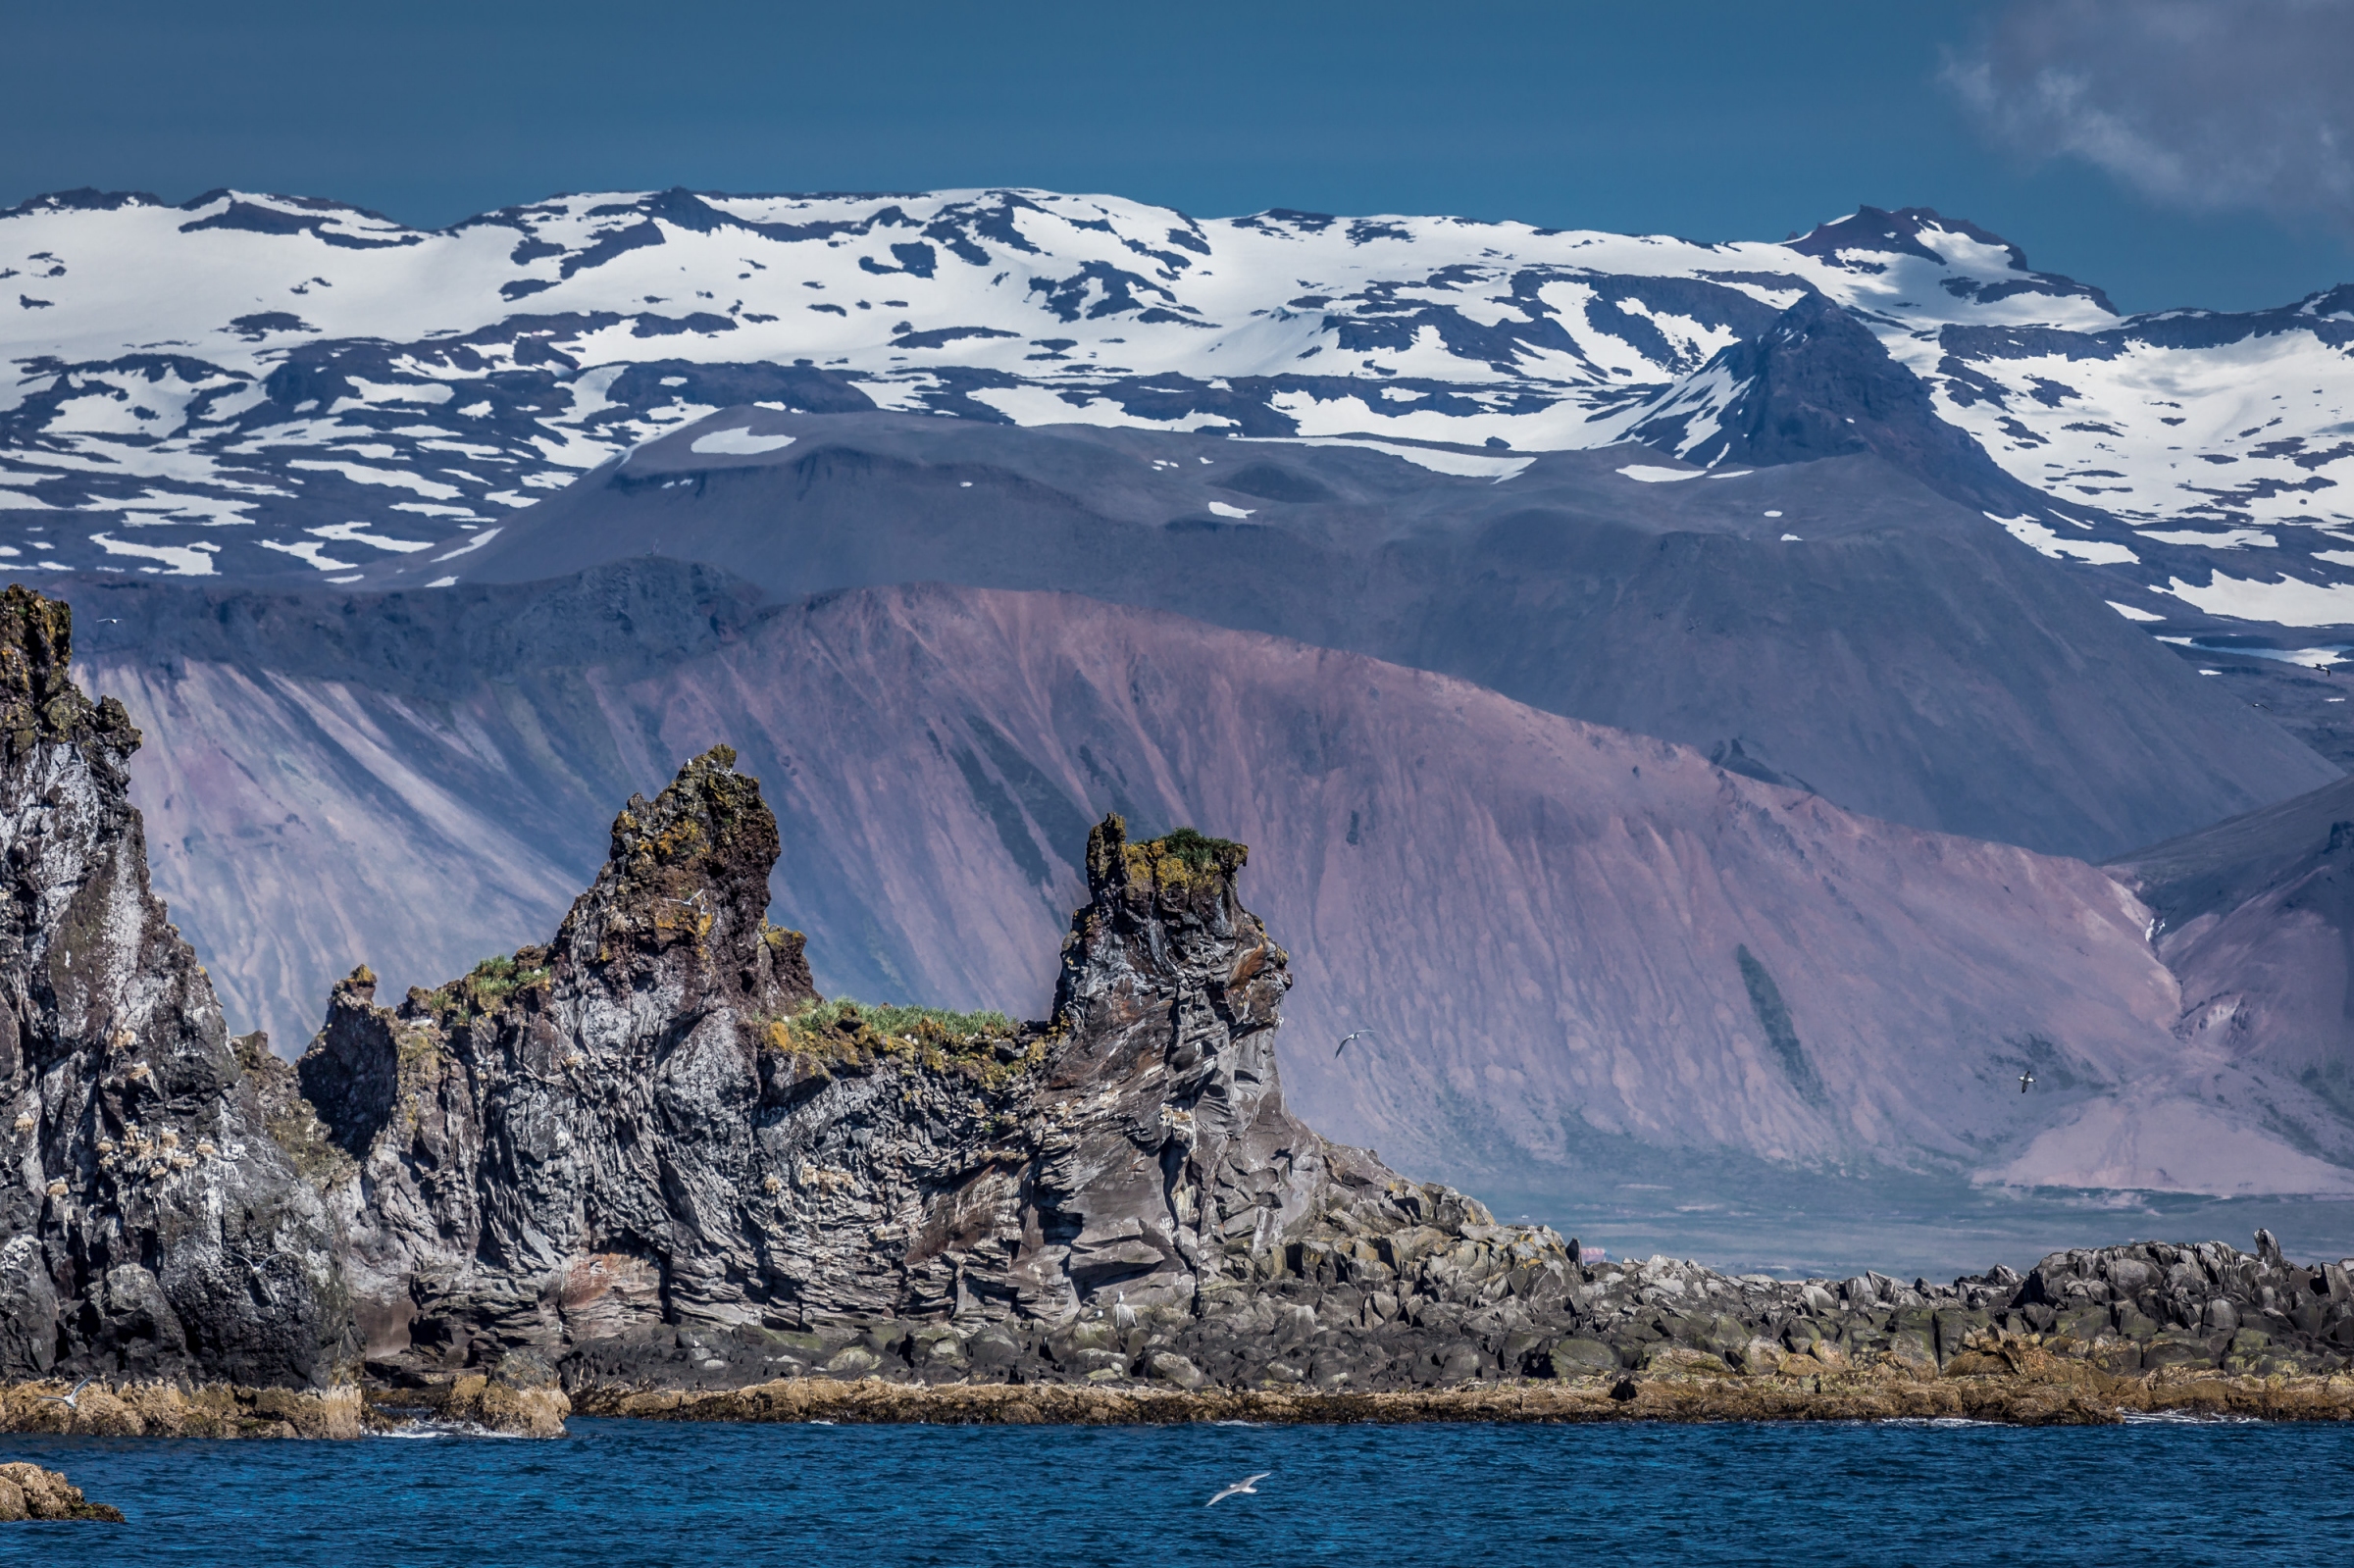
x: 153, y: 1222
x: 646, y: 1154
x: 646, y: 1128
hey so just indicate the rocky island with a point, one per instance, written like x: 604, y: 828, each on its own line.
x: 645, y: 1170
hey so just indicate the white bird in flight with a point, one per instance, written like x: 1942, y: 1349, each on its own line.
x: 73, y: 1400
x: 1248, y: 1483
x: 1354, y: 1034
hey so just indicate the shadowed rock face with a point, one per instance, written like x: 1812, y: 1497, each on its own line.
x: 2256, y: 918
x: 154, y: 1226
x: 570, y: 1131
x: 1166, y: 1165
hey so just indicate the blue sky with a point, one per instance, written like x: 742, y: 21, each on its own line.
x: 1706, y: 119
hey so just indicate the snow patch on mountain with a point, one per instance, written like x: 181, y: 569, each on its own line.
x: 242, y: 368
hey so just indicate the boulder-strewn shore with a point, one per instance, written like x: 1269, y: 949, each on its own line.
x: 159, y: 1409
x: 2039, y: 1394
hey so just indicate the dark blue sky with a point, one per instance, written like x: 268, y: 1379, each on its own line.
x: 1706, y: 119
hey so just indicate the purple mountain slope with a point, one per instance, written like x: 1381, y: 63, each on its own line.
x: 1570, y: 942
x: 1831, y: 620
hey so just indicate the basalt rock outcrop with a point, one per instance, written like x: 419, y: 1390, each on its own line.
x: 646, y: 1146
x: 28, y: 1491
x: 151, y: 1224
x: 647, y: 1157
x: 570, y: 1140
x: 647, y: 1161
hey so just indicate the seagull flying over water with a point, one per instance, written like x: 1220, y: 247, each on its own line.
x: 2025, y: 1081
x: 73, y: 1400
x: 1354, y: 1034
x: 1248, y: 1483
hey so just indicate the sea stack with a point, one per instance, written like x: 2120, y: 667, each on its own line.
x: 154, y: 1225
x: 644, y: 1152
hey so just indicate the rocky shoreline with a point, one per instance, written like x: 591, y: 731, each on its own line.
x: 643, y: 1168
x: 28, y: 1492
x: 2021, y: 1398
x: 219, y: 1410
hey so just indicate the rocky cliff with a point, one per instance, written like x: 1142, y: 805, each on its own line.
x: 651, y: 1132
x: 153, y: 1222
x: 647, y: 1154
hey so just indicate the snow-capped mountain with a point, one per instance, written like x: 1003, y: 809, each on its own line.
x: 259, y: 385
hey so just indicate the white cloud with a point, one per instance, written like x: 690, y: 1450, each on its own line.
x: 2204, y: 104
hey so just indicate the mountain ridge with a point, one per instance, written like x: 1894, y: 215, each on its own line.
x: 384, y: 434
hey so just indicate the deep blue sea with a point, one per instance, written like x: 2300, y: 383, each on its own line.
x: 620, y: 1492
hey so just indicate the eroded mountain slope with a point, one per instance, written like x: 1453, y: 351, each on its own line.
x: 1578, y: 948
x: 1831, y: 621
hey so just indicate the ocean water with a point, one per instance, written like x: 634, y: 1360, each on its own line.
x: 647, y: 1493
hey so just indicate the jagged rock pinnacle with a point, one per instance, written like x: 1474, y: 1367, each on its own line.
x: 690, y: 871
x: 38, y: 699
x: 651, y: 1129
x: 155, y: 1223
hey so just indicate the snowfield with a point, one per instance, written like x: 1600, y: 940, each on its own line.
x: 249, y: 384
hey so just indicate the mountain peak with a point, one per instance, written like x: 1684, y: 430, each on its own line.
x: 1955, y: 244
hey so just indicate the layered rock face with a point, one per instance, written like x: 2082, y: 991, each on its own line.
x: 647, y: 1155
x: 153, y: 1222
x: 569, y: 1141
x: 646, y: 1142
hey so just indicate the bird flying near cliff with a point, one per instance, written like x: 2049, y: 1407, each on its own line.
x: 1354, y: 1034
x: 73, y: 1399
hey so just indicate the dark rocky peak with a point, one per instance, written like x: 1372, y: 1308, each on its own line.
x: 1872, y: 229
x: 1916, y: 231
x: 1163, y: 917
x: 1816, y: 384
x: 569, y: 1136
x: 84, y: 198
x: 677, y: 916
x: 2336, y: 304
x: 686, y: 883
x: 638, y: 1140
x: 39, y: 704
x: 157, y: 1225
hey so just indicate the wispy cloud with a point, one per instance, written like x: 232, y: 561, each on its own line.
x: 2204, y: 104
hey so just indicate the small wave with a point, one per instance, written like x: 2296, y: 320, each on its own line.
x: 1948, y: 1422
x: 817, y: 1422
x: 2184, y: 1418
x: 1238, y: 1423
x: 427, y: 1427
